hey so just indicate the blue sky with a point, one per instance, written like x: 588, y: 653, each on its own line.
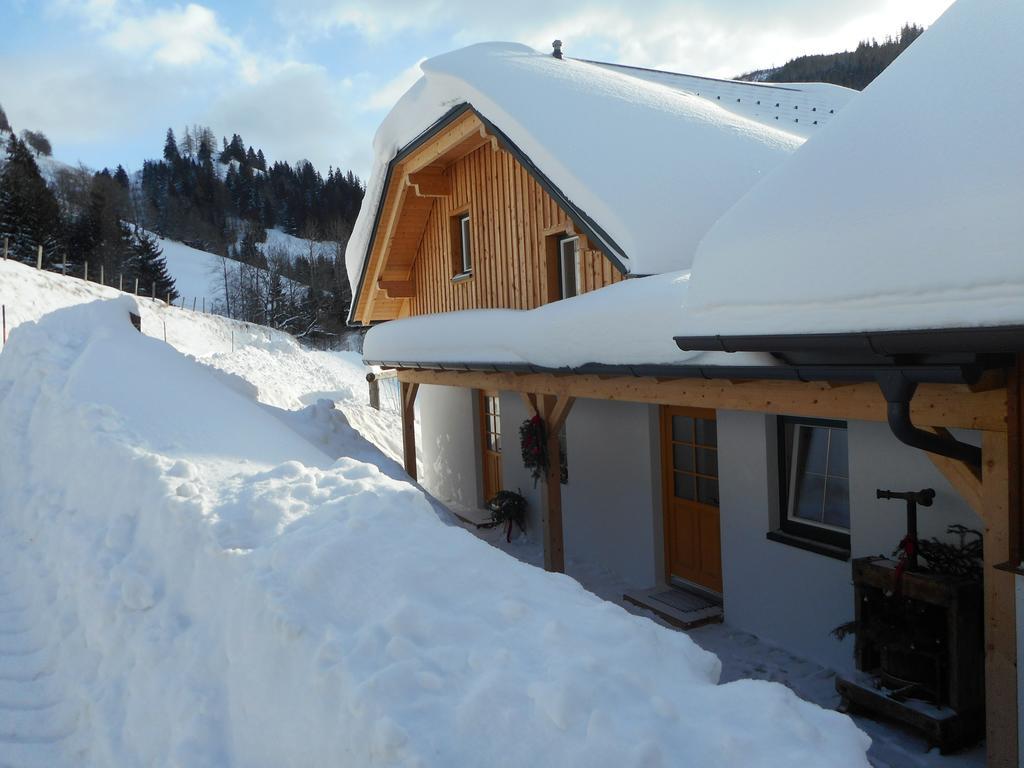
x: 313, y: 78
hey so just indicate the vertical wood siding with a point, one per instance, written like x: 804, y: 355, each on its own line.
x: 510, y: 217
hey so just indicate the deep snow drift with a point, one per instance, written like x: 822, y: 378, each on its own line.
x: 227, y: 595
x: 655, y: 168
x: 904, y: 214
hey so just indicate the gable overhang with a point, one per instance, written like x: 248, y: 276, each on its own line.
x: 396, y: 174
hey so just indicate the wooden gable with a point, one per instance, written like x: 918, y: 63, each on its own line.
x: 514, y: 227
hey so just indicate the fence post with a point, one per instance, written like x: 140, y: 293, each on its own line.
x: 39, y: 257
x: 102, y: 280
x: 204, y: 305
x: 64, y: 264
x: 232, y: 339
x: 136, y: 286
x: 5, y: 249
x: 165, y: 331
x: 87, y: 271
x: 3, y: 311
x: 120, y: 282
x: 154, y: 290
x: 374, y: 391
x: 193, y: 303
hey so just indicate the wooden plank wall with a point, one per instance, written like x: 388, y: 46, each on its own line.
x: 510, y: 216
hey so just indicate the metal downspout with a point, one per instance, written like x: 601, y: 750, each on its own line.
x: 899, y: 391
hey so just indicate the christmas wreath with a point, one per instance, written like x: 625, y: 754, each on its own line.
x: 534, y: 447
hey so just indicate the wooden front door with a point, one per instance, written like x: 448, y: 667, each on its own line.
x: 689, y: 460
x: 490, y: 443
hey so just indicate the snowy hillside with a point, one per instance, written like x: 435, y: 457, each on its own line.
x: 224, y: 592
x: 277, y: 370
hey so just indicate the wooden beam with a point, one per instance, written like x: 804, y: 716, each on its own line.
x: 409, y: 391
x: 965, y: 478
x: 940, y: 405
x: 1000, y: 608
x: 431, y: 182
x: 397, y: 289
x: 530, y: 401
x: 553, y: 411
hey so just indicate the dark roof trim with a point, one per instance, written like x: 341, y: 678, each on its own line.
x: 966, y: 373
x: 940, y: 341
x: 770, y: 86
x: 579, y: 217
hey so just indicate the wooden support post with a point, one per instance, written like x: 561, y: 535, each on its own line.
x: 965, y: 479
x: 409, y: 392
x: 374, y: 385
x: 1000, y: 607
x: 553, y: 411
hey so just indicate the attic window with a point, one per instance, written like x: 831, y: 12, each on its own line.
x: 569, y: 266
x: 462, y: 248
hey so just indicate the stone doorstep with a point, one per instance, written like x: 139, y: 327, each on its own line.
x: 688, y: 619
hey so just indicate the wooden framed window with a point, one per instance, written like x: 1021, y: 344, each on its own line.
x: 569, y: 267
x: 490, y: 428
x: 462, y: 245
x: 814, y: 483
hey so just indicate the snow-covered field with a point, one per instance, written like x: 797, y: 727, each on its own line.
x: 194, y: 577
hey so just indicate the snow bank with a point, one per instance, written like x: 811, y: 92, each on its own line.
x: 654, y: 166
x: 904, y: 214
x: 229, y: 596
x: 628, y: 323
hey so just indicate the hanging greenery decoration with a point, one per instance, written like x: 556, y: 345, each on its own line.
x: 534, y: 447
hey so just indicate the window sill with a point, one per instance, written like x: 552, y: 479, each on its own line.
x: 462, y: 276
x: 781, y: 537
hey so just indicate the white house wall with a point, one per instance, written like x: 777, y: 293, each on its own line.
x: 610, y: 504
x: 450, y: 444
x: 792, y: 597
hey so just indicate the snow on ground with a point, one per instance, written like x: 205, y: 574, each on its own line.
x: 227, y: 594
x: 276, y: 369
x: 197, y: 274
x: 743, y: 655
x: 280, y: 241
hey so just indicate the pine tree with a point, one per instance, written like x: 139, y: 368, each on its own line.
x: 29, y: 214
x: 171, y: 154
x: 121, y: 176
x: 148, y: 264
x: 4, y: 123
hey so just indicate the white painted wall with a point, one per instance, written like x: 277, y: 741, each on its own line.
x: 449, y: 441
x: 791, y: 597
x: 610, y: 501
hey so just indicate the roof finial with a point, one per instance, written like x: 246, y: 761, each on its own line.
x: 557, y: 46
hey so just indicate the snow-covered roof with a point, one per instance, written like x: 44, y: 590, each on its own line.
x: 654, y: 166
x: 626, y: 324
x: 800, y: 108
x: 905, y: 214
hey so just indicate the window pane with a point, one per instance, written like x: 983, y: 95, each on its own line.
x: 707, y: 461
x: 682, y: 457
x: 838, y: 454
x: 707, y: 491
x: 497, y: 443
x: 837, y: 502
x: 813, y: 449
x: 810, y: 492
x: 707, y: 432
x: 569, y: 287
x: 682, y: 429
x: 685, y: 487
x: 467, y: 255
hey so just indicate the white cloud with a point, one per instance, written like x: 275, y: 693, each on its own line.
x: 386, y: 96
x: 176, y: 36
x: 703, y: 36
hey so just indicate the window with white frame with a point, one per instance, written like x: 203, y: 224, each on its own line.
x: 569, y: 266
x: 466, y: 249
x: 814, y: 480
